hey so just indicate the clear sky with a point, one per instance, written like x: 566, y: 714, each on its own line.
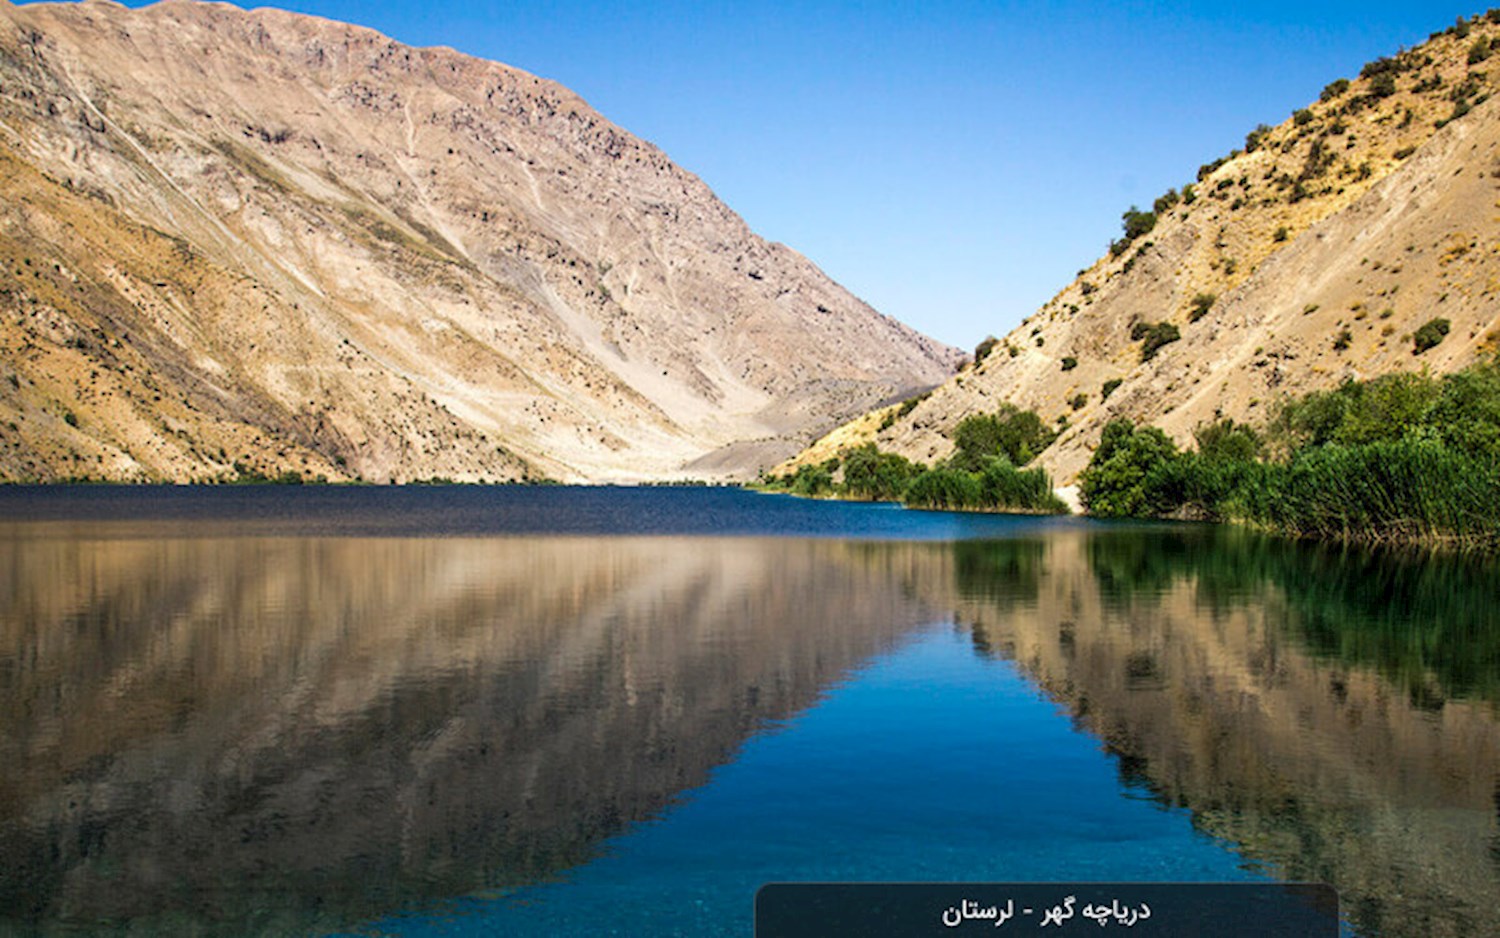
x: 952, y: 163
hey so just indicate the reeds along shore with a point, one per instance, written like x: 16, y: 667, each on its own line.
x: 1404, y: 458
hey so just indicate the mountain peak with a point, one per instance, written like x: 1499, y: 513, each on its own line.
x: 1313, y: 254
x: 262, y: 242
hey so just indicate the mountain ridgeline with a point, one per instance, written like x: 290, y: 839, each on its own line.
x: 1358, y: 238
x: 242, y: 245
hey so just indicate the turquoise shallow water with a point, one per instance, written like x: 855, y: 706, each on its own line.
x: 615, y: 711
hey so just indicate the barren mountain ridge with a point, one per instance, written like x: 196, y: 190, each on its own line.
x: 254, y: 243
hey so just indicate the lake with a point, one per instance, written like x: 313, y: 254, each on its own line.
x: 562, y: 711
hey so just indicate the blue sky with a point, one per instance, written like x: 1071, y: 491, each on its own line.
x: 952, y: 163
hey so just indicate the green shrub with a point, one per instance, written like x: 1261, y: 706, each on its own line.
x: 1333, y: 89
x: 1357, y: 412
x: 1465, y: 412
x: 983, y: 349
x: 1018, y: 435
x: 1153, y: 336
x: 1281, y: 234
x: 1302, y: 117
x: 1108, y: 388
x: 1078, y: 401
x: 1227, y: 441
x: 1256, y: 137
x: 871, y: 474
x: 1202, y: 303
x: 1069, y: 363
x: 812, y: 480
x: 1429, y: 335
x: 1003, y: 486
x: 944, y: 488
x: 1137, y: 223
x: 1342, y: 340
x: 1132, y: 474
x: 1165, y: 202
x: 1401, y: 458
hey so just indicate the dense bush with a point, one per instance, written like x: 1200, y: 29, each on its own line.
x: 871, y: 474
x: 1018, y: 435
x: 1003, y: 486
x: 1108, y: 388
x: 1153, y: 336
x: 812, y: 480
x: 1333, y: 89
x: 1383, y: 85
x: 995, y: 485
x: 1225, y: 440
x: 944, y: 488
x: 1133, y: 473
x: 1069, y: 363
x: 1429, y: 335
x: 1137, y: 223
x: 1401, y: 458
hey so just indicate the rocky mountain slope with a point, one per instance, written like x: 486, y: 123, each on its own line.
x: 1316, y: 254
x: 241, y: 243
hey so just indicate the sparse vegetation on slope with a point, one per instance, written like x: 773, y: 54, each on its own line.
x: 1320, y: 251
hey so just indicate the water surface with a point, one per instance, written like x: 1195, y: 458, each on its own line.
x: 559, y: 711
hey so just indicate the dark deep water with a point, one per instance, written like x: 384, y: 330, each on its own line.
x: 619, y: 711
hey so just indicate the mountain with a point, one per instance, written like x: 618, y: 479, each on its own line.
x: 1316, y: 254
x: 251, y: 243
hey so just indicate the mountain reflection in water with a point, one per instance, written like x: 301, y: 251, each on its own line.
x: 297, y: 734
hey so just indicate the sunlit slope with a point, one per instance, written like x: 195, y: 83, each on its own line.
x: 1313, y: 257
x: 296, y: 245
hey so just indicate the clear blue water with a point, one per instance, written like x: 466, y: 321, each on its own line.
x: 614, y: 711
x: 496, y: 511
x: 931, y: 763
